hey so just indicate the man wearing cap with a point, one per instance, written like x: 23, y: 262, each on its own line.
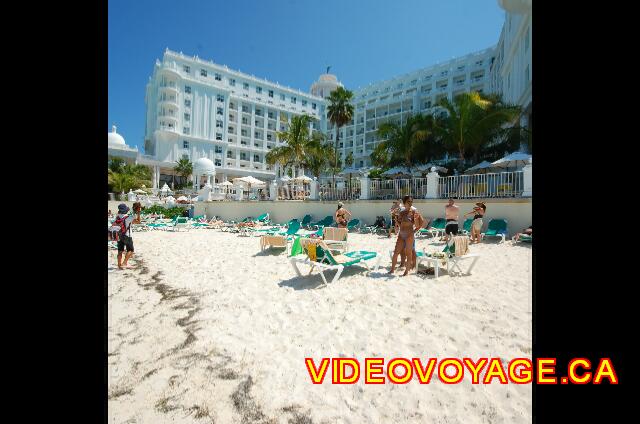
x: 125, y: 240
x: 451, y: 212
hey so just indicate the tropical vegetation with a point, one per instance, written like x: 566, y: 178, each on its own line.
x: 123, y: 176
x: 339, y: 113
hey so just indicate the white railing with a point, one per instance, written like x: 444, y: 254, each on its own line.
x: 397, y: 188
x: 347, y: 190
x: 503, y: 184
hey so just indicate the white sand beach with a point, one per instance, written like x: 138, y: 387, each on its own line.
x: 208, y: 329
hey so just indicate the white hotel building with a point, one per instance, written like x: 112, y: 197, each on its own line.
x: 197, y: 109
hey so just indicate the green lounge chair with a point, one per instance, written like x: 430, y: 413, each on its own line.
x: 353, y: 224
x: 466, y: 227
x: 306, y: 221
x: 324, y: 259
x: 327, y: 221
x: 436, y: 227
x: 180, y: 223
x: 497, y: 228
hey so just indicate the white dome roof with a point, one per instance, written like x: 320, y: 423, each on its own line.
x: 203, y: 166
x: 115, y: 138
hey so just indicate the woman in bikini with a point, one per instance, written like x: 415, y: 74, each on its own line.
x: 342, y: 216
x: 478, y: 213
x: 409, y: 220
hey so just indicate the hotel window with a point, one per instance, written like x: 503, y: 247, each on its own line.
x: 220, y: 98
x: 245, y: 108
x: 399, y: 85
x: 232, y: 82
x: 187, y: 102
x: 185, y: 144
x: 256, y: 158
x: 245, y: 85
x: 218, y: 77
x: 313, y: 106
x: 219, y: 136
x: 281, y: 96
x: 243, y: 133
x: 243, y: 156
x: 479, y: 63
x: 218, y: 149
x: 203, y: 72
x: 232, y: 130
x: 218, y: 162
x: 186, y: 69
x: 270, y: 93
x: 257, y: 135
x: 220, y: 111
x: 229, y: 154
x: 269, y: 137
x: 293, y: 100
x: 218, y: 123
x: 304, y: 103
x: 259, y: 90
x: 187, y: 117
x: 414, y: 82
x: 185, y: 130
x: 187, y: 89
x: 258, y: 112
x: 270, y: 115
x: 427, y: 104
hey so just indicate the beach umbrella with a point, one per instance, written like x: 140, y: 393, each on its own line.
x: 303, y: 178
x: 285, y: 178
x: 182, y: 199
x: 226, y: 183
x: 515, y: 159
x: 427, y: 168
x: 482, y: 166
x: 140, y: 191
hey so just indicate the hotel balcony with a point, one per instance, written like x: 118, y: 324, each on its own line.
x: 170, y: 68
x: 168, y: 101
x: 169, y: 88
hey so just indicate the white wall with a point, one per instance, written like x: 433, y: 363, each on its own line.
x: 517, y: 212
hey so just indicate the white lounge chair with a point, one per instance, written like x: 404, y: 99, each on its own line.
x: 449, y: 258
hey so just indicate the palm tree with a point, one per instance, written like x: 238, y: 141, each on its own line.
x: 473, y: 120
x: 123, y: 176
x: 404, y: 144
x: 319, y: 159
x: 340, y: 113
x: 184, y: 168
x: 301, y: 146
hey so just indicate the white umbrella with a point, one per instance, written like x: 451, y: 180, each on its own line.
x: 226, y: 183
x: 182, y: 199
x: 512, y: 160
x: 285, y: 178
x: 303, y: 178
x: 165, y: 188
x: 484, y: 165
x: 140, y: 191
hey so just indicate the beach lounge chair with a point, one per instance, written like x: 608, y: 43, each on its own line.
x: 466, y: 227
x: 268, y: 241
x: 335, y: 238
x: 353, y: 224
x: 434, y: 229
x: 318, y: 255
x: 179, y: 224
x: 306, y: 221
x: 327, y: 221
x: 523, y: 238
x: 450, y: 257
x: 497, y: 228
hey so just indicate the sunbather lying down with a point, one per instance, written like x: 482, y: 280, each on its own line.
x: 249, y: 224
x: 526, y: 231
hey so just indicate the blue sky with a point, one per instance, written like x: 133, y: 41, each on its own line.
x: 288, y: 41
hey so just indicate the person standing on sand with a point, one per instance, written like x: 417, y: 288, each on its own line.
x: 451, y: 213
x: 395, y: 208
x: 342, y: 216
x: 478, y: 213
x: 123, y: 222
x: 409, y: 220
